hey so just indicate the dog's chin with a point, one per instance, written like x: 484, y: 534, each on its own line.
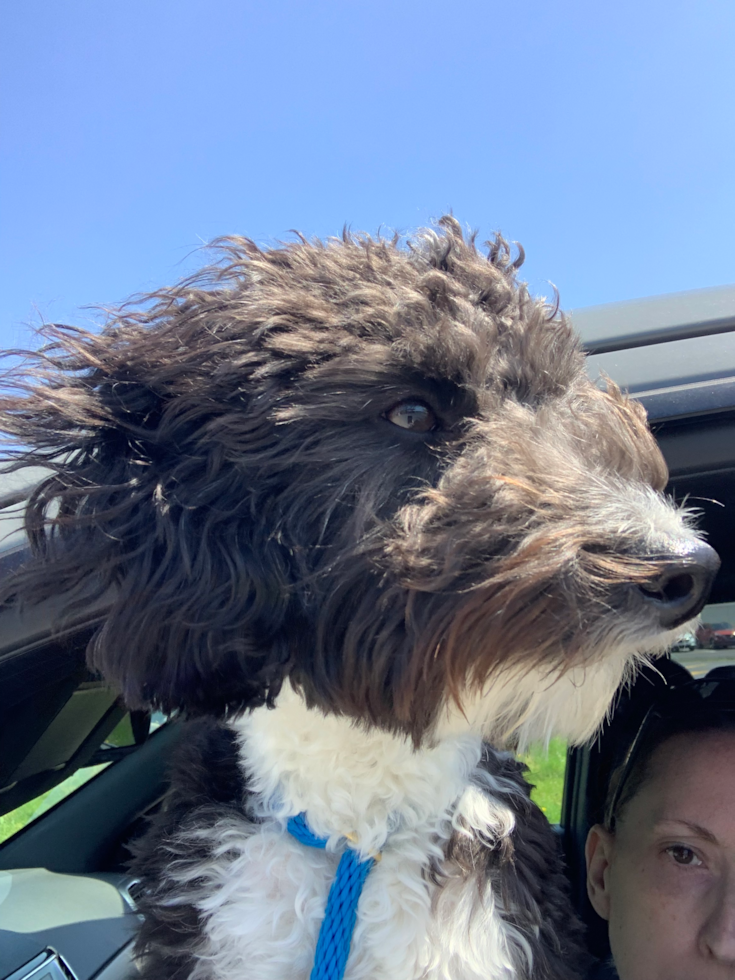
x: 522, y: 704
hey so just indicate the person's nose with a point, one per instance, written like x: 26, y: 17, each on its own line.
x: 717, y: 938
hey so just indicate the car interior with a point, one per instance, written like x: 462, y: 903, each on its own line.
x: 67, y: 899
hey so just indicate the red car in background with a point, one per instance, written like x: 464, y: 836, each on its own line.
x: 716, y: 636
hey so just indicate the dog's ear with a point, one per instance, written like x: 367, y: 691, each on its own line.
x: 150, y: 503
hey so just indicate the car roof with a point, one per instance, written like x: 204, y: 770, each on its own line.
x: 656, y: 319
x: 14, y: 491
x: 676, y: 353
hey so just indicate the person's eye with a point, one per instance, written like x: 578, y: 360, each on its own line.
x: 684, y: 856
x: 413, y: 415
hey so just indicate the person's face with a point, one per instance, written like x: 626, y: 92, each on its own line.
x: 665, y: 881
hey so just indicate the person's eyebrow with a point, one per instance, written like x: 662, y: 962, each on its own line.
x: 696, y: 828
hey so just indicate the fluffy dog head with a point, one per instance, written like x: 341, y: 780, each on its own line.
x: 377, y: 469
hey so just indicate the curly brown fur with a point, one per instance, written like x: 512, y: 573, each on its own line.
x: 222, y: 458
x: 231, y: 469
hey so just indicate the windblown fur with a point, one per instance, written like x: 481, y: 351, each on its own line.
x: 237, y: 461
x: 469, y: 885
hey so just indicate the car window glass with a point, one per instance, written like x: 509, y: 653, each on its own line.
x: 11, y: 823
x: 121, y: 737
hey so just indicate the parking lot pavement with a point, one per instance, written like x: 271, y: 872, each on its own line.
x: 699, y: 662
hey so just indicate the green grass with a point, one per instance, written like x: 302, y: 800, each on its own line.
x: 547, y: 775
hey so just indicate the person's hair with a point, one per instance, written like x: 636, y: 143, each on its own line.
x: 698, y: 708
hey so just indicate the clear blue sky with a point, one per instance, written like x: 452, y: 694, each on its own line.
x: 599, y: 134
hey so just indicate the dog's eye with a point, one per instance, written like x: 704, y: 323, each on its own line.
x: 413, y: 415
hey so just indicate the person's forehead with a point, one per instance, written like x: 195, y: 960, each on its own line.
x: 691, y: 776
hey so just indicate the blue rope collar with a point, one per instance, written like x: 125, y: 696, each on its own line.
x: 335, y: 935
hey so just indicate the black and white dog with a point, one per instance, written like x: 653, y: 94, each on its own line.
x: 368, y: 525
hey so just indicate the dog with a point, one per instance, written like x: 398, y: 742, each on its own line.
x: 364, y: 520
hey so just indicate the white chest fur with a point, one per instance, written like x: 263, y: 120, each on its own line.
x: 263, y: 894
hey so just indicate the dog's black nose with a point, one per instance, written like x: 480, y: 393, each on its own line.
x: 683, y: 586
